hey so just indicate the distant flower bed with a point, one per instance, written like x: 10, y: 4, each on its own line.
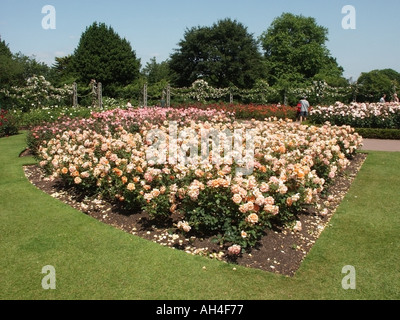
x: 131, y: 119
x: 359, y: 115
x: 223, y: 178
x: 156, y: 115
x: 253, y: 111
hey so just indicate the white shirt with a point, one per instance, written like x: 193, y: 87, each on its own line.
x: 304, y: 105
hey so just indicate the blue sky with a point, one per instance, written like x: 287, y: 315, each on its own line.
x: 154, y: 27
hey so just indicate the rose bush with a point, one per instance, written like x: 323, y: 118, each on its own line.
x: 115, y: 118
x: 8, y: 124
x: 36, y: 93
x: 359, y: 115
x: 250, y: 111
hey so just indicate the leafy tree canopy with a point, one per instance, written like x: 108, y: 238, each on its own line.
x: 104, y: 56
x: 16, y: 68
x: 295, y: 50
x: 4, y: 49
x: 156, y: 72
x: 224, y: 54
x: 62, y: 70
x: 9, y: 69
x: 372, y: 85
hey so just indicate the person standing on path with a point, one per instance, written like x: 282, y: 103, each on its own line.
x: 304, y: 109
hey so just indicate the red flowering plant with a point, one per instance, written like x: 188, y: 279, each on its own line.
x: 8, y: 124
x: 249, y: 111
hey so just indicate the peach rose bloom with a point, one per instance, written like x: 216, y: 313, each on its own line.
x: 252, y: 218
x: 237, y: 198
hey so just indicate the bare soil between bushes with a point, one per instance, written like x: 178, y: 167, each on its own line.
x: 281, y: 250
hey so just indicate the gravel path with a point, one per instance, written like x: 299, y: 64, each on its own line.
x: 381, y: 145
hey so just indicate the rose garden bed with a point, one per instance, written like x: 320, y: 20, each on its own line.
x: 120, y: 171
x: 280, y: 250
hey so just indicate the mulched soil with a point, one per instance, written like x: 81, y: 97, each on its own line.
x: 281, y: 250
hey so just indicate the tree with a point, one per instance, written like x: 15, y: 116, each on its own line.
x: 15, y: 69
x: 295, y: 51
x: 31, y: 67
x: 9, y: 68
x: 104, y: 56
x: 372, y: 85
x: 156, y: 72
x: 4, y: 49
x: 332, y: 74
x: 393, y: 75
x: 224, y: 55
x: 62, y: 70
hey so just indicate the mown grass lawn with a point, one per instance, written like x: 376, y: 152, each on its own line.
x: 96, y: 261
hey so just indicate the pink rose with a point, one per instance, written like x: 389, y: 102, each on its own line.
x: 234, y: 250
